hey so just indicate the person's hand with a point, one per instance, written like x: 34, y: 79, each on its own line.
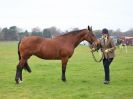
x: 107, y: 50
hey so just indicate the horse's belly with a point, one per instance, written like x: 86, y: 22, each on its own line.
x: 50, y: 55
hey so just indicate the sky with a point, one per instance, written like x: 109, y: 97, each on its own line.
x: 67, y: 14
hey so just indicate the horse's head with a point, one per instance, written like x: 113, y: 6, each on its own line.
x: 95, y: 47
x: 90, y: 37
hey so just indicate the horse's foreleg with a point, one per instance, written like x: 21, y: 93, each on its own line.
x: 64, y: 64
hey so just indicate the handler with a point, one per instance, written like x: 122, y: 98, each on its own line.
x: 108, y: 49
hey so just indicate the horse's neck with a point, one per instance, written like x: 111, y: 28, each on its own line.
x: 73, y: 40
x: 77, y: 39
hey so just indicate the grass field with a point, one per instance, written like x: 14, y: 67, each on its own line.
x: 84, y: 76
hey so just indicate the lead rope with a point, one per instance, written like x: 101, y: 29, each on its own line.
x: 95, y: 57
x: 92, y: 52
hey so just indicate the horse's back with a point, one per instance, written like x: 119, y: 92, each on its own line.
x: 32, y: 39
x: 45, y: 48
x: 42, y: 47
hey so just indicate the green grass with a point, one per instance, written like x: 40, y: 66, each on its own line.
x: 84, y: 76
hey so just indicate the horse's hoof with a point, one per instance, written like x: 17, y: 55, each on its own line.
x: 18, y: 81
x: 64, y: 80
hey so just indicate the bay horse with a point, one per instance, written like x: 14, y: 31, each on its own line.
x: 58, y: 48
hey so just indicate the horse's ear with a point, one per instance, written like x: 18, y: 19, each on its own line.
x: 89, y: 28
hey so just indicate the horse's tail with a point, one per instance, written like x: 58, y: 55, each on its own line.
x: 19, y: 57
x: 26, y: 67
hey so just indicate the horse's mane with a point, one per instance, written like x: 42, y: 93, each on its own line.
x: 72, y: 32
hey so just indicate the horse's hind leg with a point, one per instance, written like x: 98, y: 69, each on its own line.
x: 20, y: 66
x: 21, y: 79
x: 18, y: 74
x: 27, y: 67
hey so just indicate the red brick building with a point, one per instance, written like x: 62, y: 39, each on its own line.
x: 127, y: 40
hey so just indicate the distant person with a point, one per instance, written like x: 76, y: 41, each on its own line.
x: 108, y: 49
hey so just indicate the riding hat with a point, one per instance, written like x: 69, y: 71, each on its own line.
x: 105, y: 31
